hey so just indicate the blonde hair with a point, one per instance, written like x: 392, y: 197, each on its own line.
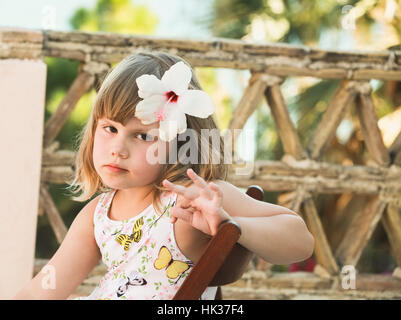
x: 117, y: 99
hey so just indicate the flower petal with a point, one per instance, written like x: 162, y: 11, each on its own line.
x: 196, y: 103
x: 177, y: 78
x: 147, y: 108
x: 175, y: 123
x: 149, y: 85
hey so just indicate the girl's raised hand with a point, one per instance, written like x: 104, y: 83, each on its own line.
x: 200, y: 204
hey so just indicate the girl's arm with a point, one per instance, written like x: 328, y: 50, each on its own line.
x: 275, y: 233
x: 77, y: 255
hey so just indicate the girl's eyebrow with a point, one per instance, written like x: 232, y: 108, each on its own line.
x: 140, y: 128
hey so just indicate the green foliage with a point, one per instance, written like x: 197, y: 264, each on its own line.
x: 280, y: 268
x: 231, y: 17
x: 120, y: 16
x: 60, y: 74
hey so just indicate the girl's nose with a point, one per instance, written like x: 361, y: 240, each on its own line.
x: 120, y: 154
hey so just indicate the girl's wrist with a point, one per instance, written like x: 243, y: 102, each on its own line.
x: 224, y: 217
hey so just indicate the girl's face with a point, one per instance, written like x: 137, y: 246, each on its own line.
x: 128, y: 147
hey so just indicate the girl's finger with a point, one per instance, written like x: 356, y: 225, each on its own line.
x: 179, y: 213
x: 179, y: 189
x: 198, y: 181
x: 186, y: 205
x: 218, y: 193
x: 183, y: 203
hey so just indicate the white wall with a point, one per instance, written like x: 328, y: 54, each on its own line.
x: 22, y: 100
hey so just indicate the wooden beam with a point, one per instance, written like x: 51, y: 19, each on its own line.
x: 391, y: 221
x: 274, y: 175
x: 318, y: 177
x: 56, y: 175
x: 292, y: 200
x: 250, y: 99
x: 323, y: 253
x: 58, y: 158
x: 252, y: 95
x: 290, y: 141
x: 81, y: 84
x: 370, y: 130
x: 276, y: 59
x: 334, y: 114
x: 360, y: 231
x: 286, y: 129
x: 55, y: 220
x: 21, y: 43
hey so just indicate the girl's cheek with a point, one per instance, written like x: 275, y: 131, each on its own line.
x: 100, y: 142
x: 158, y: 152
x: 145, y: 157
x: 99, y: 147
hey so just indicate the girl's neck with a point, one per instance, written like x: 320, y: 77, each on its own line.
x: 134, y: 197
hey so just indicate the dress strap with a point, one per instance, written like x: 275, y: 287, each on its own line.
x: 103, y: 205
x: 172, y: 197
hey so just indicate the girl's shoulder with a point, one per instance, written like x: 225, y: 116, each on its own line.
x: 90, y: 209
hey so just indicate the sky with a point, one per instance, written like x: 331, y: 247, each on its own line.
x: 32, y: 13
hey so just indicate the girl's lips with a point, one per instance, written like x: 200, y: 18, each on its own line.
x: 115, y: 169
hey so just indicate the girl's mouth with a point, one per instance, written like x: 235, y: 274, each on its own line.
x: 115, y: 169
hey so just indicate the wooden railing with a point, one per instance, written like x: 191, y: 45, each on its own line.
x: 300, y: 174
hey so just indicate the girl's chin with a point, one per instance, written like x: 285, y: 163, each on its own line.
x: 116, y: 183
x: 111, y: 182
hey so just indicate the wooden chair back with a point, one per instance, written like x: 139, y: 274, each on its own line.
x: 223, y: 262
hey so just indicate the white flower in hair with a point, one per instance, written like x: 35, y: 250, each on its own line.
x: 168, y: 100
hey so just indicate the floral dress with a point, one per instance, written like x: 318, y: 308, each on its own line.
x: 142, y: 257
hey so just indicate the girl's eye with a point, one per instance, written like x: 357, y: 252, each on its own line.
x: 140, y: 136
x: 110, y: 127
x: 145, y: 137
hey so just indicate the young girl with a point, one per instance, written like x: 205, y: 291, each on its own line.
x: 153, y: 219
